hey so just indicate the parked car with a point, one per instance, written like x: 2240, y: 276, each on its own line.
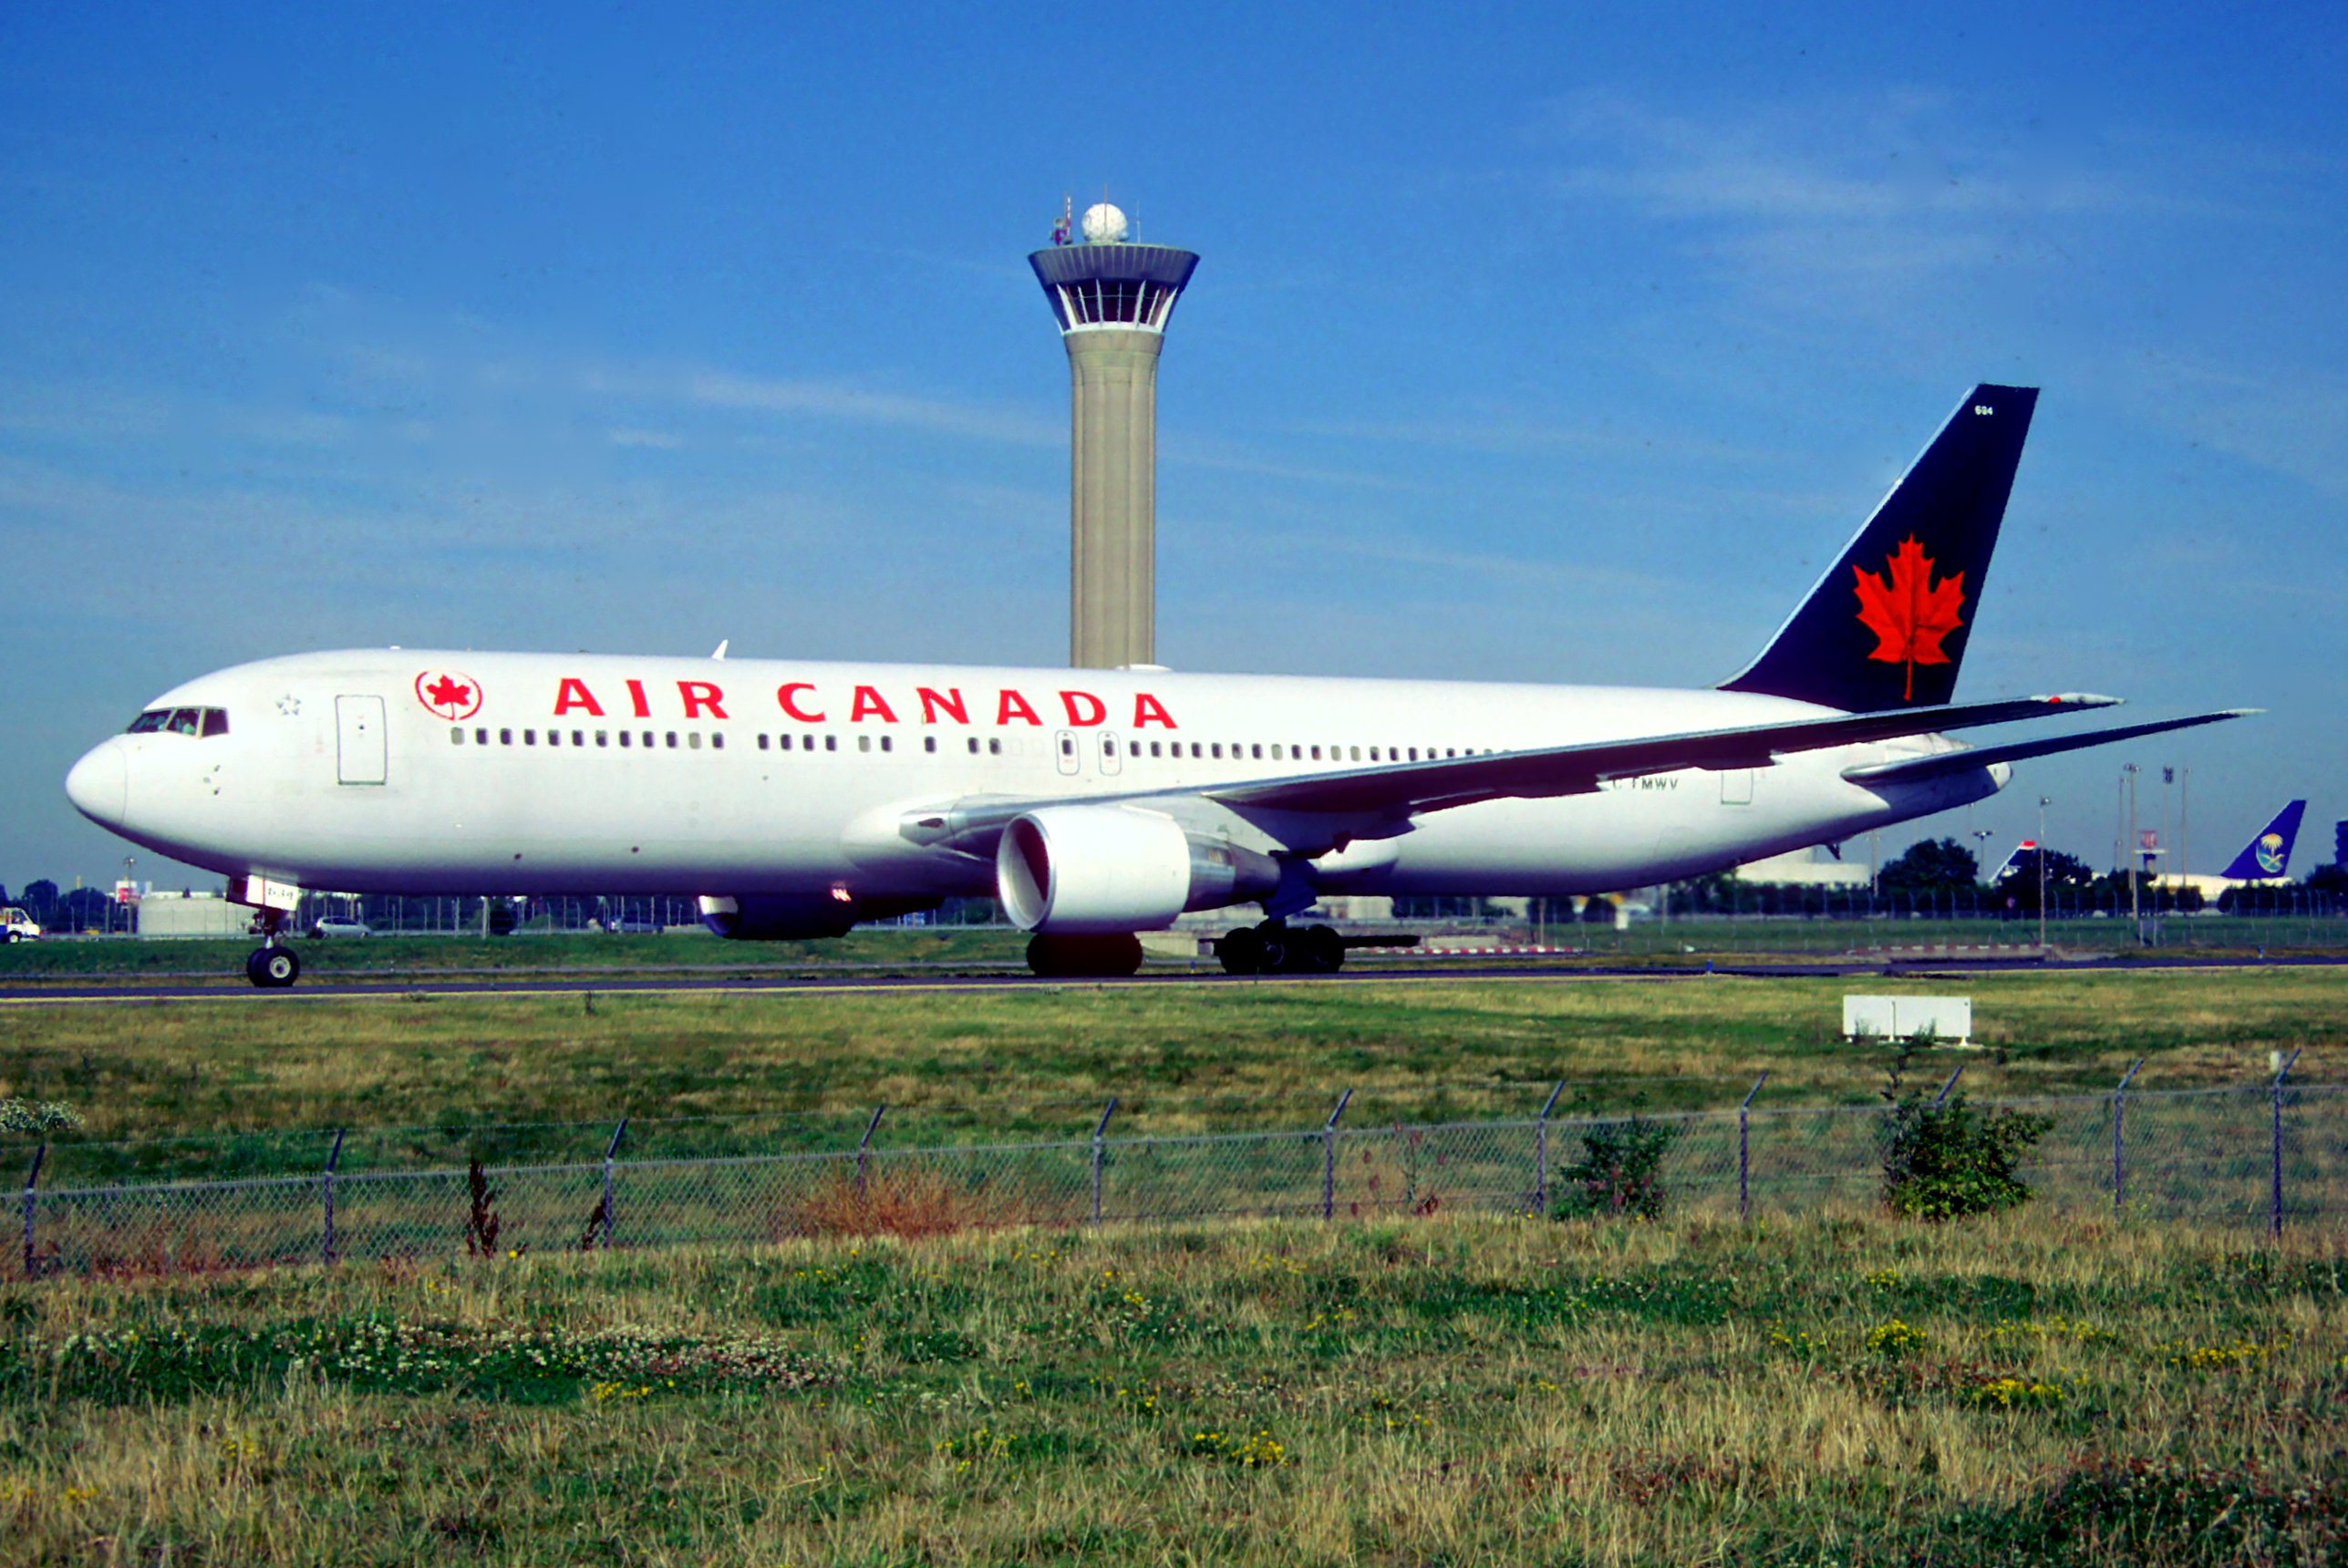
x: 340, y: 928
x: 20, y: 926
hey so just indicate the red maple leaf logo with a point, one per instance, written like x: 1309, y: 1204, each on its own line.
x: 1910, y: 613
x: 449, y: 694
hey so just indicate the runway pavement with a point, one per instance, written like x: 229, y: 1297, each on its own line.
x: 701, y: 982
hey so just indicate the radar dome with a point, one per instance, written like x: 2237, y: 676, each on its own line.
x: 1103, y: 225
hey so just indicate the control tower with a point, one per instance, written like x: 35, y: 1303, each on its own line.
x: 1113, y: 299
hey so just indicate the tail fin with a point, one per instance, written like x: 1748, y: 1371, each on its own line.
x: 1887, y: 626
x: 2268, y: 855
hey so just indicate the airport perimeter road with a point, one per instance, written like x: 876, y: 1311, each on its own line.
x: 1433, y: 972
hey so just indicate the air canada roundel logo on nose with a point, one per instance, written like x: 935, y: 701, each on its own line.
x: 449, y: 694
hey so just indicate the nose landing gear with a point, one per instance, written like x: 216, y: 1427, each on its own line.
x: 272, y: 966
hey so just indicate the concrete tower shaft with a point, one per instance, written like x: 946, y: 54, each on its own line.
x: 1112, y: 302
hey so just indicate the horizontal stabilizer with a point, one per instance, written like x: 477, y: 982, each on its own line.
x: 1909, y: 769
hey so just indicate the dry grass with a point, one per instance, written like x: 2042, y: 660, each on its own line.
x: 905, y: 1202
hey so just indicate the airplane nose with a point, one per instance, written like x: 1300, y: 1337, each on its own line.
x: 100, y: 786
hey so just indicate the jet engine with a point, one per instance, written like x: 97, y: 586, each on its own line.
x: 1096, y: 869
x: 787, y: 917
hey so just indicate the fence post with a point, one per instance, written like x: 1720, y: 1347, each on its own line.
x: 1945, y: 1088
x: 1541, y: 1150
x: 1329, y: 1158
x: 326, y: 1189
x: 32, y: 1180
x: 2119, y: 1114
x: 1099, y: 1130
x: 2274, y: 1211
x: 1743, y: 1161
x: 864, y: 1147
x: 611, y: 1155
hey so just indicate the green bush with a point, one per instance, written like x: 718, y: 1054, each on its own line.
x: 1620, y: 1171
x: 1946, y: 1159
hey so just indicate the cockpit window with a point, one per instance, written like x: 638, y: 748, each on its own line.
x: 197, y: 721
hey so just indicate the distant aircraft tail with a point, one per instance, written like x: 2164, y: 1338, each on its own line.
x: 1887, y: 626
x: 2268, y: 855
x: 2023, y: 854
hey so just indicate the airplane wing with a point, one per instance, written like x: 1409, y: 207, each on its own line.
x: 1909, y: 768
x: 1397, y: 791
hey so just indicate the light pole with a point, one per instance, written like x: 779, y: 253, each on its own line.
x: 2042, y: 875
x: 2135, y: 912
x: 1981, y: 847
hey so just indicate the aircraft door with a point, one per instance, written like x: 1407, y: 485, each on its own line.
x: 1736, y: 787
x: 1064, y: 745
x: 1111, y: 759
x: 358, y: 739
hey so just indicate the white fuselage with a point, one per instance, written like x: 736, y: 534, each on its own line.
x: 435, y: 771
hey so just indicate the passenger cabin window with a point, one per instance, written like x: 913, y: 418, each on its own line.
x: 505, y: 738
x: 481, y: 737
x: 831, y: 743
x: 994, y: 747
x: 457, y: 735
x: 604, y: 737
x: 624, y: 736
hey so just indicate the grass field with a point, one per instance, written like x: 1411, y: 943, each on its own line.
x: 713, y: 1073
x: 1846, y: 1390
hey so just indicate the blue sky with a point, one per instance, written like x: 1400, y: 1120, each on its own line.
x: 1557, y: 344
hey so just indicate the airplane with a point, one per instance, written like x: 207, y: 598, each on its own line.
x: 798, y: 798
x: 2267, y: 857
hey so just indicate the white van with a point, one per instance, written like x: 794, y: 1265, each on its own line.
x: 19, y: 925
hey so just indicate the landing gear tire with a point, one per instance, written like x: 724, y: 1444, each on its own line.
x: 273, y: 968
x: 1316, y: 950
x: 1109, y: 957
x: 1272, y: 948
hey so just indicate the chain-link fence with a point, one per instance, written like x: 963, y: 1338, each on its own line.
x: 2266, y: 1156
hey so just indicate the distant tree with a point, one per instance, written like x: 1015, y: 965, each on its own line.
x: 2068, y: 879
x: 1934, y: 866
x: 40, y: 900
x: 84, y: 909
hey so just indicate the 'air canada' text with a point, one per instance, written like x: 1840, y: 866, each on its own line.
x: 806, y: 702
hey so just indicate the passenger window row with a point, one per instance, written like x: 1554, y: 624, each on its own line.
x: 213, y: 721
x: 690, y: 740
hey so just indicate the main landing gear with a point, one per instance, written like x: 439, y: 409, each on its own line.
x: 1109, y: 957
x: 1272, y: 948
x: 272, y: 966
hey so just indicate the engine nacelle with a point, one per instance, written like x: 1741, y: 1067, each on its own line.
x: 791, y: 916
x: 1078, y: 869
